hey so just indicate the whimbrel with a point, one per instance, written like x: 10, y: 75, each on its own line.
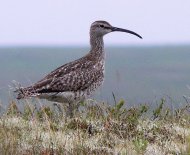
x: 78, y: 79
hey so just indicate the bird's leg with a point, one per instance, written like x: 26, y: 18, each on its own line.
x: 78, y: 104
x: 59, y: 107
x: 70, y: 109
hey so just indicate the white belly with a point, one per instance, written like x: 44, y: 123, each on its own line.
x: 64, y: 97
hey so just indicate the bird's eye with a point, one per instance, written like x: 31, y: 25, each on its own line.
x: 102, y: 26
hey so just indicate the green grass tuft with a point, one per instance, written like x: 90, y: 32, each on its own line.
x: 96, y: 128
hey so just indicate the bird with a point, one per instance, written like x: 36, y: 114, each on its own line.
x: 77, y: 80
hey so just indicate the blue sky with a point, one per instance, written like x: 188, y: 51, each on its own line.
x: 67, y: 22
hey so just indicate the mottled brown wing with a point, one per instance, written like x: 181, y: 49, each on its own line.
x: 82, y: 63
x: 76, y: 75
x: 62, y: 70
x: 79, y: 79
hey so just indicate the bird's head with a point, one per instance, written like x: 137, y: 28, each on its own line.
x: 100, y: 28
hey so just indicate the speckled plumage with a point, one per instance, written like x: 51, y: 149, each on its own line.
x: 78, y: 79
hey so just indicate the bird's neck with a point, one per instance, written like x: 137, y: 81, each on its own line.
x: 97, y: 45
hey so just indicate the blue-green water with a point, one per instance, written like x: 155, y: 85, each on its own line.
x: 137, y: 74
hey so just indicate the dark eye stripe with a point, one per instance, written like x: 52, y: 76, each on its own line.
x: 107, y: 27
x: 104, y: 27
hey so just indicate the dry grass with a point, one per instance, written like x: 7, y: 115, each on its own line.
x: 95, y: 129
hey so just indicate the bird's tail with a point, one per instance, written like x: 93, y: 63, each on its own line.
x: 20, y: 93
x: 24, y: 92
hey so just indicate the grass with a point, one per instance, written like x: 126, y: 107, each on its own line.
x: 96, y: 128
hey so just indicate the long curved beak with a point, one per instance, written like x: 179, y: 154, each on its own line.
x: 124, y: 30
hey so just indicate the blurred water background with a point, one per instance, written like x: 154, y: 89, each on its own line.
x: 136, y: 74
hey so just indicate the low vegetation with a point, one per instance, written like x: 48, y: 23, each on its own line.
x: 96, y: 128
